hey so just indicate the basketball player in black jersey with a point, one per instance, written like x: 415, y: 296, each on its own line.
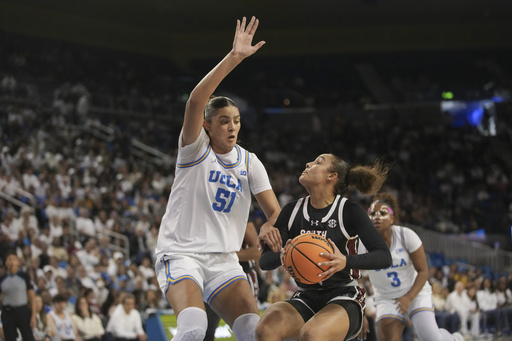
x: 332, y: 309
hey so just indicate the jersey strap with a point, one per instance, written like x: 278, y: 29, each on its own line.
x: 402, y: 237
x: 340, y: 219
x: 294, y: 213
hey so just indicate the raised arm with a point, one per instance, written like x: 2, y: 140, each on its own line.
x: 194, y: 109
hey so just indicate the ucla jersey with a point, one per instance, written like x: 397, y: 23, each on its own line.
x: 397, y: 280
x: 210, y: 199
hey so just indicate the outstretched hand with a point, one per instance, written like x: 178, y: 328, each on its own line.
x: 336, y: 262
x: 242, y: 44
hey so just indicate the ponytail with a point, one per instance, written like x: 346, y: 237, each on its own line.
x: 366, y: 179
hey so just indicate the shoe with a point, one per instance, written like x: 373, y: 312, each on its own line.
x: 458, y: 337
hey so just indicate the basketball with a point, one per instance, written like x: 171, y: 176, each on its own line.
x: 303, y: 256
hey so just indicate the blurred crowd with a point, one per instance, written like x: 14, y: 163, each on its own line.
x: 77, y: 187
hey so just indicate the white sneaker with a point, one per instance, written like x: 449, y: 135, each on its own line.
x: 458, y: 337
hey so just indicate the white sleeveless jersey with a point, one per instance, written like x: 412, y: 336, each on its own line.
x: 210, y: 199
x: 64, y: 326
x: 397, y: 280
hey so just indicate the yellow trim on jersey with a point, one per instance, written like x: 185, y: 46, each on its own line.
x: 193, y: 163
x: 390, y: 316
x: 419, y: 310
x: 223, y: 286
x: 233, y: 165
x: 171, y: 280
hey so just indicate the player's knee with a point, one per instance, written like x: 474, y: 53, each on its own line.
x: 192, y: 324
x: 244, y: 327
x: 308, y: 333
x: 263, y: 330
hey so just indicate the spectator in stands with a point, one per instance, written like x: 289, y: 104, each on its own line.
x: 504, y: 298
x: 55, y: 226
x: 9, y: 227
x: 85, y: 225
x: 459, y: 302
x: 45, y: 329
x: 57, y: 250
x: 115, y: 263
x: 147, y: 269
x: 474, y: 311
x: 488, y: 303
x: 445, y: 319
x: 64, y: 324
x: 72, y: 281
x: 125, y: 323
x: 88, y: 324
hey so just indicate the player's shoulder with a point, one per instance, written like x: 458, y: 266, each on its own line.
x: 404, y: 230
x: 289, y: 206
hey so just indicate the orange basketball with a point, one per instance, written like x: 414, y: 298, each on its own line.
x: 303, y: 256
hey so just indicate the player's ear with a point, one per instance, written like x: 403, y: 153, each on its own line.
x: 206, y: 125
x: 332, y: 176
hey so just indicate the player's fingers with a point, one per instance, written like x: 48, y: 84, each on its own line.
x: 259, y: 45
x: 244, y: 19
x: 250, y: 26
x: 259, y: 245
x: 327, y: 255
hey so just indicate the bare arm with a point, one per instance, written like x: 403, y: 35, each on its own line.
x: 194, y: 109
x: 75, y: 330
x: 251, y: 240
x: 268, y: 233
x: 51, y: 330
x: 419, y: 260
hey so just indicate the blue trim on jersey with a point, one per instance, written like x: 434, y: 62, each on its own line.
x: 247, y: 161
x: 233, y: 165
x: 224, y: 286
x: 193, y: 163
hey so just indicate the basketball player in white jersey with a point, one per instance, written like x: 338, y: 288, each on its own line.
x: 402, y: 290
x: 204, y: 223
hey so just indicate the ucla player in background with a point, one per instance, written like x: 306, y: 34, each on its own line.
x: 332, y: 309
x: 402, y: 290
x: 204, y: 223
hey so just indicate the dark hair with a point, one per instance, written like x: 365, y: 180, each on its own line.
x: 77, y: 306
x: 367, y: 179
x: 389, y: 200
x: 60, y: 298
x: 42, y: 313
x: 217, y: 102
x: 128, y: 296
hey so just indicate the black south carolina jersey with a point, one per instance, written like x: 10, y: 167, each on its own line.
x: 345, y: 223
